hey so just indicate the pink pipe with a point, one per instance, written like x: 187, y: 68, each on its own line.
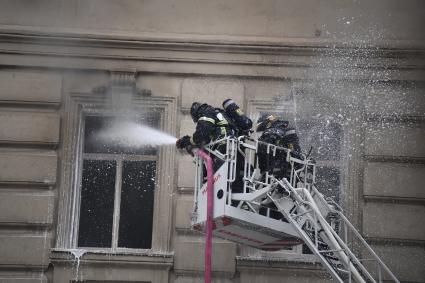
x: 210, y: 207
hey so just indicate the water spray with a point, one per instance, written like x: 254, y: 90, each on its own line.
x: 134, y: 135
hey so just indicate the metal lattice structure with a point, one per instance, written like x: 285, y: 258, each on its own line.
x: 272, y: 213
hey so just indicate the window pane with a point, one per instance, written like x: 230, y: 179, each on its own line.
x: 97, y: 203
x: 325, y: 138
x: 137, y: 197
x: 96, y: 124
x: 327, y: 182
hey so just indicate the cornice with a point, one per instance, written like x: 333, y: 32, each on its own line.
x: 247, y: 57
x: 195, y: 42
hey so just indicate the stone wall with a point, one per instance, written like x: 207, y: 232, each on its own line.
x: 259, y: 22
x: 29, y: 138
x: 252, y: 51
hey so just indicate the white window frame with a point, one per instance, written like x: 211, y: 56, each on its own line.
x: 76, y: 106
x: 119, y: 159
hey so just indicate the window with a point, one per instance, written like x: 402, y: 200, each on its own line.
x: 112, y: 198
x: 325, y: 137
x: 117, y: 189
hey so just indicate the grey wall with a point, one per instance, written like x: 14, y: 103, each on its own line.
x: 210, y: 50
x: 292, y: 20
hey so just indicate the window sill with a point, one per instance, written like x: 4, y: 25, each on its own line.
x: 119, y: 257
x: 285, y: 261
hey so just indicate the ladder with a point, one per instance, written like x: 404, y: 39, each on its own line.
x: 320, y: 235
x: 307, y: 216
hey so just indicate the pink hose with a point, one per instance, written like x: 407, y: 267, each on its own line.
x: 210, y: 207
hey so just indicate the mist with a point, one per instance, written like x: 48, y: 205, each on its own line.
x: 133, y: 135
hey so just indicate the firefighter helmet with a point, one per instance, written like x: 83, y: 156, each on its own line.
x: 265, y: 122
x: 194, y: 109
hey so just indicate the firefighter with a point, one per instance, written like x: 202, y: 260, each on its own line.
x: 241, y: 122
x: 277, y: 132
x: 242, y: 125
x: 211, y: 124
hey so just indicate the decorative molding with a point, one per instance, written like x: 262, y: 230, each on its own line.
x: 122, y: 79
x: 75, y: 105
x: 100, y: 89
x: 232, y: 56
x: 394, y: 199
x: 22, y: 32
x: 394, y: 159
x: 160, y: 259
x: 290, y: 261
x: 395, y: 118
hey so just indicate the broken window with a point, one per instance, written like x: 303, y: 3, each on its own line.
x: 117, y: 189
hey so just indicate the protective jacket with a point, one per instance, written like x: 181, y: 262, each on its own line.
x: 282, y: 135
x: 211, y: 125
x: 241, y: 123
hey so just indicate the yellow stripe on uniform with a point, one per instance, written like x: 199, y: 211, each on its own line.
x: 207, y: 119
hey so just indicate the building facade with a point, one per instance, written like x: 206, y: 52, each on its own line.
x: 349, y: 74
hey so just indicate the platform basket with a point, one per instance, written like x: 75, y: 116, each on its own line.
x: 239, y: 225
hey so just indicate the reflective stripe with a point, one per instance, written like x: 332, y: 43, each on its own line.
x: 192, y: 141
x: 207, y: 119
x: 223, y: 131
x: 221, y: 120
x: 290, y: 132
x: 227, y: 103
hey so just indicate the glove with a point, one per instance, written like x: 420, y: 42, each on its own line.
x: 189, y: 149
x: 183, y: 142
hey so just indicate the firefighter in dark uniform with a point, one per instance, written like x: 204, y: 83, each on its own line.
x: 241, y: 122
x: 277, y: 132
x: 211, y: 124
x: 242, y: 125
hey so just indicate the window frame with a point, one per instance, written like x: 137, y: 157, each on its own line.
x: 119, y: 158
x: 76, y: 107
x: 254, y: 107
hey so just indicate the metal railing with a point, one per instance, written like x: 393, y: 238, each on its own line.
x: 314, y: 216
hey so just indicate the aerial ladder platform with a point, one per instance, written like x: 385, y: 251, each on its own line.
x: 257, y: 209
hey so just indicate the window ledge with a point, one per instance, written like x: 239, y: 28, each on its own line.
x: 285, y: 261
x: 119, y: 257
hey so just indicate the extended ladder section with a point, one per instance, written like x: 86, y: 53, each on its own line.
x: 272, y: 213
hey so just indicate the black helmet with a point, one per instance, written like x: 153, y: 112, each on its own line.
x: 265, y: 122
x: 194, y: 111
x: 227, y: 103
